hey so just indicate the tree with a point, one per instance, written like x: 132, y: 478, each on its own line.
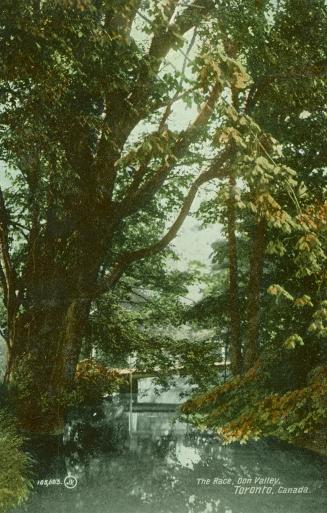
x: 283, y: 390
x: 234, y: 304
x: 265, y: 209
x: 76, y: 81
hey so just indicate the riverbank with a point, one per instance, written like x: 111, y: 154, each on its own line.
x: 316, y: 442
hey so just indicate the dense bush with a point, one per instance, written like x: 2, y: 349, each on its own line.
x: 14, y: 465
x: 247, y: 407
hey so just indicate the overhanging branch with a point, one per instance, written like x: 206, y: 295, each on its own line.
x: 216, y: 170
x: 136, y: 197
x: 311, y: 71
x: 165, y: 38
x: 169, y: 35
x: 128, y: 108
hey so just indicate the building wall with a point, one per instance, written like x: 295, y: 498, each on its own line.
x: 149, y: 392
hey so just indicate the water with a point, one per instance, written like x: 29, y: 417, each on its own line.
x: 152, y: 463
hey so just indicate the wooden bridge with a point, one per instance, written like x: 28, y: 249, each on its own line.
x: 152, y: 407
x: 131, y: 388
x: 157, y: 371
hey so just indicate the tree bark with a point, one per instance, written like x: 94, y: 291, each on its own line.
x: 59, y: 282
x: 251, y: 348
x: 43, y: 361
x: 234, y: 309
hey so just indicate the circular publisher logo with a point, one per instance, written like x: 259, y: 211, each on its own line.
x: 70, y: 482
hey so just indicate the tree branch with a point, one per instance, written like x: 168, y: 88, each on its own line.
x: 177, y: 95
x: 167, y: 36
x: 164, y: 39
x: 143, y: 168
x: 318, y: 69
x: 127, y: 109
x: 136, y: 197
x: 119, y: 18
x: 4, y: 285
x: 7, y: 273
x: 216, y: 170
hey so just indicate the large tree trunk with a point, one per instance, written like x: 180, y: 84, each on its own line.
x: 44, y: 357
x: 234, y: 310
x: 251, y: 348
x: 60, y: 280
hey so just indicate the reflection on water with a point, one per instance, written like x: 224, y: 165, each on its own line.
x: 152, y: 463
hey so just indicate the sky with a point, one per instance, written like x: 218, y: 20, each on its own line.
x: 194, y: 243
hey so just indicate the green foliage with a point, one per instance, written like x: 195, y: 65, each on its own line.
x: 319, y: 324
x: 292, y: 341
x: 149, y: 325
x: 247, y: 408
x: 98, y: 169
x: 278, y: 165
x: 92, y: 382
x: 14, y: 466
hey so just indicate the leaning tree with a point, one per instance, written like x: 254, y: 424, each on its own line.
x: 88, y: 93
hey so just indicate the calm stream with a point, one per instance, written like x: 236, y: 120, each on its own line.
x: 148, y: 462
